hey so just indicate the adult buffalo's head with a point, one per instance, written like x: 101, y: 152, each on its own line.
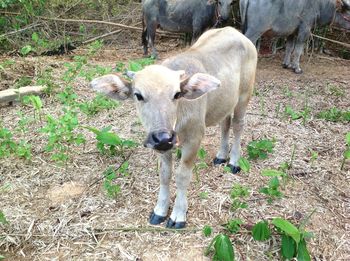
x: 342, y: 16
x: 156, y: 91
x: 223, y: 8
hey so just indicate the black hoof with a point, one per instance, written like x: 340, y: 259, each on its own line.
x: 176, y: 225
x: 154, y: 219
x: 218, y: 161
x: 285, y: 66
x: 234, y: 169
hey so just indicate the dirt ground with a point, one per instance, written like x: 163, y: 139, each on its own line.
x: 62, y: 212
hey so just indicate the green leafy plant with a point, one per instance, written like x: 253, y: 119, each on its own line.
x: 295, y: 115
x: 62, y: 134
x: 244, y: 164
x: 109, y: 142
x: 25, y: 50
x: 272, y: 190
x: 239, y: 192
x: 346, y: 154
x: 293, y: 240
x: 234, y: 225
x: 334, y: 115
x: 207, y: 230
x: 259, y: 149
x: 99, y: 103
x: 67, y: 96
x: 35, y: 102
x: 222, y: 247
x: 111, y: 189
x: 201, y: 154
x: 8, y: 146
x: 203, y: 195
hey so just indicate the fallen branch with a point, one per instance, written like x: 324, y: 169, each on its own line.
x: 333, y: 41
x: 101, y: 36
x: 11, y: 95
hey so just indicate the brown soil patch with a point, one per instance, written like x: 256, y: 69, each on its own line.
x: 69, y: 190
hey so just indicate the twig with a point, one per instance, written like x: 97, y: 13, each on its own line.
x: 101, y: 36
x: 333, y: 41
x: 21, y: 30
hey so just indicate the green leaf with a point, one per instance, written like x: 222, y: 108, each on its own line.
x: 108, y: 138
x: 26, y: 50
x: 244, y: 164
x: 272, y: 173
x: 288, y: 248
x: 207, y: 230
x: 223, y: 248
x: 303, y: 253
x: 3, y: 219
x: 347, y: 138
x: 288, y: 228
x: 261, y: 231
x: 2, y: 257
x: 201, y: 154
x: 35, y: 37
x: 234, y: 225
x: 274, y: 183
x: 347, y: 154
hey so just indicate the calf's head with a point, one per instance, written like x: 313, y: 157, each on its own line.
x: 156, y: 91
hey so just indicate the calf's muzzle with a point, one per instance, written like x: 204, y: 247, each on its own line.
x: 161, y: 140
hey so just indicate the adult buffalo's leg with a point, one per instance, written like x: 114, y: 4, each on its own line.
x: 161, y: 210
x: 289, y: 49
x: 183, y: 177
x: 145, y: 42
x: 223, y: 152
x: 237, y: 125
x: 303, y: 34
x: 151, y: 35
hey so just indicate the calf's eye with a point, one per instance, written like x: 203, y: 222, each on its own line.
x: 138, y: 96
x: 177, y: 95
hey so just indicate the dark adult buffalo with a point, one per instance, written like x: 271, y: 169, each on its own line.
x: 186, y: 16
x: 293, y: 19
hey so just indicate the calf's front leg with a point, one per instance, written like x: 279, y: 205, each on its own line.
x: 161, y: 210
x: 183, y: 178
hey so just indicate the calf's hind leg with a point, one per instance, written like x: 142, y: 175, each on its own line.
x: 221, y: 156
x: 237, y: 126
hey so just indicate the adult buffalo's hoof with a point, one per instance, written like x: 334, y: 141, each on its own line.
x: 154, y: 219
x: 176, y: 225
x: 285, y: 66
x: 234, y: 169
x: 298, y: 71
x: 218, y: 161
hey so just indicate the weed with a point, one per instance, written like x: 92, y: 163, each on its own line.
x: 112, y: 189
x: 261, y: 231
x: 201, y: 154
x: 23, y: 81
x: 99, y: 103
x: 272, y: 190
x: 3, y: 219
x: 207, y: 230
x: 45, y: 79
x: 9, y: 146
x: 234, y: 225
x: 203, y: 195
x: 238, y: 192
x: 109, y: 142
x: 334, y: 115
x: 335, y: 90
x: 61, y: 134
x: 346, y: 154
x: 295, y: 115
x: 35, y: 102
x: 67, y: 96
x: 258, y: 149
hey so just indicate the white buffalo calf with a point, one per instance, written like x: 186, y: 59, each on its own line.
x: 208, y: 84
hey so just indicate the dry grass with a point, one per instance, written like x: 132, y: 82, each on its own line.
x: 61, y: 213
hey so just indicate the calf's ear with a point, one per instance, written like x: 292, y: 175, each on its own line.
x: 113, y: 86
x: 198, y: 84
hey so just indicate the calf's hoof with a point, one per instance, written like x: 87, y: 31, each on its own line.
x: 176, y: 225
x: 218, y: 161
x: 285, y: 66
x: 234, y: 169
x: 154, y: 219
x: 298, y: 70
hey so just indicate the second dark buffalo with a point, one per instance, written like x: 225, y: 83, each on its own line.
x: 184, y: 16
x: 293, y: 19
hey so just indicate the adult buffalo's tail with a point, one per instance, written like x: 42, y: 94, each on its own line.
x: 243, y: 9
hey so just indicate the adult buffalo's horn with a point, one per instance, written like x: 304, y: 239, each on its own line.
x: 346, y: 4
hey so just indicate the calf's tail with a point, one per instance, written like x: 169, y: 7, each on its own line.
x: 243, y: 8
